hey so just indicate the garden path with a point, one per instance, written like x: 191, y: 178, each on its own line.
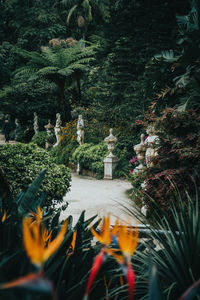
x: 98, y: 197
x: 2, y: 140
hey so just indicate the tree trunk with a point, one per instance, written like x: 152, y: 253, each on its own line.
x: 65, y: 107
x: 78, y: 81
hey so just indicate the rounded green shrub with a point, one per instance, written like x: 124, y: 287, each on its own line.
x: 40, y: 138
x: 23, y: 162
x: 91, y: 157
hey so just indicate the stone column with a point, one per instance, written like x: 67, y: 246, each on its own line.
x: 111, y: 160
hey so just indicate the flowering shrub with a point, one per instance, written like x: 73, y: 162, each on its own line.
x: 178, y: 159
x: 67, y: 145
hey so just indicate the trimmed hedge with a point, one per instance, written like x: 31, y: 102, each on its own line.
x: 91, y: 157
x: 40, y: 138
x: 23, y: 162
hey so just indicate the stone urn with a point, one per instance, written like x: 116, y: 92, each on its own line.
x: 111, y: 140
x: 111, y: 160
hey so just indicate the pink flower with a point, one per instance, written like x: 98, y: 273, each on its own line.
x: 132, y: 160
x: 132, y: 172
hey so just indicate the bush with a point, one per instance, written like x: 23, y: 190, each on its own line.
x: 91, y: 157
x: 28, y: 161
x: 67, y: 144
x: 178, y: 158
x: 40, y: 138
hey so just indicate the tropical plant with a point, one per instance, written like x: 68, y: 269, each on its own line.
x: 175, y: 251
x: 83, y: 12
x: 50, y: 249
x: 59, y: 64
x: 181, y: 64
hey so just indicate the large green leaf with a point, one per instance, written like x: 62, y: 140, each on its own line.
x: 28, y: 199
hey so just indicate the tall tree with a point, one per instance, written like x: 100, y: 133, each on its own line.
x: 59, y: 63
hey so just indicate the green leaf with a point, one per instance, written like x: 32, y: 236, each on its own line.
x: 27, y: 200
x: 154, y: 290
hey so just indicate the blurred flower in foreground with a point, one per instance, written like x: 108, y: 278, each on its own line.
x: 35, y: 241
x: 126, y: 239
x: 3, y: 217
x: 39, y: 248
x: 105, y: 238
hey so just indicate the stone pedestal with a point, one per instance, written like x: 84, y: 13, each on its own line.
x: 110, y: 163
x: 78, y: 169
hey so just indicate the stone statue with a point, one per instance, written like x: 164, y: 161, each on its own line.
x: 35, y: 123
x: 151, y: 145
x: 140, y: 152
x: 50, y: 136
x: 57, y: 128
x: 80, y: 130
x: 17, y: 129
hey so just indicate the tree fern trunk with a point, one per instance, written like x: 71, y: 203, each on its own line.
x: 62, y: 100
x: 78, y: 81
x: 65, y: 105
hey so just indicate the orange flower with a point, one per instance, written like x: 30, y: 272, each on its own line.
x: 34, y: 243
x: 70, y: 251
x: 36, y: 217
x: 3, y: 217
x: 127, y: 241
x: 105, y: 236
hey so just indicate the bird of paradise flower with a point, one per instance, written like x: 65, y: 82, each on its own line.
x: 39, y: 248
x: 127, y: 239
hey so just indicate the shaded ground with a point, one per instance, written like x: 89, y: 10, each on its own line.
x: 2, y: 140
x: 98, y: 197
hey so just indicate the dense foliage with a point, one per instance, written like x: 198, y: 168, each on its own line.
x: 40, y: 138
x: 28, y: 161
x: 178, y: 157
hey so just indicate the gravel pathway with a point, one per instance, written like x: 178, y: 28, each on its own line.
x: 98, y: 197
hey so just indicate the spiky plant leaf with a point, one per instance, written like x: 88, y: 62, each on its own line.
x: 27, y: 201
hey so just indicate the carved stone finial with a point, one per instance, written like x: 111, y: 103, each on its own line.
x: 111, y: 141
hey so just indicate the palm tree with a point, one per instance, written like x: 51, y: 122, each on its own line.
x: 83, y: 11
x: 60, y: 64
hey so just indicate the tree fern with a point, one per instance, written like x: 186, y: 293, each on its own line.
x: 57, y: 64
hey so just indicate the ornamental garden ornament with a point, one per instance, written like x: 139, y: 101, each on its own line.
x: 111, y: 140
x: 111, y: 160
